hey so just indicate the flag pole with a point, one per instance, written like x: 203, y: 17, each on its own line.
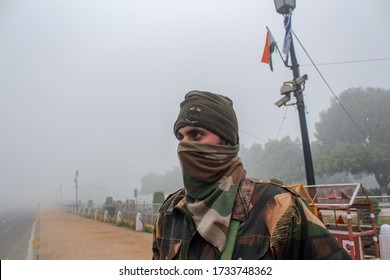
x: 277, y: 48
x: 281, y: 57
x: 310, y: 178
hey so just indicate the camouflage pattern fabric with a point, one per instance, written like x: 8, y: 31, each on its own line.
x: 275, y: 223
x: 211, y: 175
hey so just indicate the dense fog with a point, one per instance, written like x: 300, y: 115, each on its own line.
x: 95, y: 86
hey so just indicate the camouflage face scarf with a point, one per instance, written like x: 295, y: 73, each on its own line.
x: 211, y: 175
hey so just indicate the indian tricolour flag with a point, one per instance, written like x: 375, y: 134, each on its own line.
x: 269, y: 48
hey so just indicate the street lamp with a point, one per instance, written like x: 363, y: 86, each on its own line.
x: 61, y: 196
x: 285, y: 7
x: 76, y: 185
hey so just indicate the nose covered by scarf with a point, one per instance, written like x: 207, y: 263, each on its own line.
x: 211, y: 176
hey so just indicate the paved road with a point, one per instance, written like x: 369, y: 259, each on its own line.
x: 16, y: 224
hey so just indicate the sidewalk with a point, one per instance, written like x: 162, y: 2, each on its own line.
x: 65, y: 236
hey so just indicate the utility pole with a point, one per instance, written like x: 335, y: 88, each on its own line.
x: 285, y: 8
x: 310, y: 179
x: 76, y: 187
x: 60, y: 195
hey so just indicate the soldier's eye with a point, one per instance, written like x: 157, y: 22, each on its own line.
x: 195, y: 134
x: 179, y: 136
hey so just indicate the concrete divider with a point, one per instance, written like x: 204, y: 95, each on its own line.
x: 105, y: 219
x: 139, y: 224
x: 384, y: 242
x: 119, y: 218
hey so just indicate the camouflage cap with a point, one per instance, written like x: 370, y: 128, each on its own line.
x: 211, y: 111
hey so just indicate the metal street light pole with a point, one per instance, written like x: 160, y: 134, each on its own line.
x: 310, y: 179
x: 61, y: 196
x: 285, y: 7
x: 77, y: 187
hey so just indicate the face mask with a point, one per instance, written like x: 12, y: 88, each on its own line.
x: 211, y: 175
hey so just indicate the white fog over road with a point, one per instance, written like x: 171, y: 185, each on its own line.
x: 95, y: 85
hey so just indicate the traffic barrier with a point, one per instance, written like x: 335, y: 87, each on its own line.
x: 119, y: 218
x: 384, y: 242
x: 105, y: 216
x: 139, y: 224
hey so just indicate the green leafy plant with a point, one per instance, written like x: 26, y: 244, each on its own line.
x: 365, y: 213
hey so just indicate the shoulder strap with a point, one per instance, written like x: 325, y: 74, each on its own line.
x: 168, y: 203
x: 239, y: 212
x: 231, y: 240
x: 281, y: 184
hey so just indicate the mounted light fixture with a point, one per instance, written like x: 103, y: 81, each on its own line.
x: 283, y: 101
x: 286, y: 90
x: 284, y: 6
x: 287, y: 87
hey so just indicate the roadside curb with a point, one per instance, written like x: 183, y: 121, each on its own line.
x: 34, y: 238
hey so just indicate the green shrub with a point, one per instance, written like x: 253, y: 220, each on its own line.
x: 148, y: 228
x: 158, y: 197
x: 129, y: 223
x: 365, y: 213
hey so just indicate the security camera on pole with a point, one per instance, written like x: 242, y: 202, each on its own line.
x: 285, y: 7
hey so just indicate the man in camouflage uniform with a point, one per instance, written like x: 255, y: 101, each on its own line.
x: 221, y: 214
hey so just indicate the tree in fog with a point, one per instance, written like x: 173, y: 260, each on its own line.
x: 167, y: 183
x: 355, y: 137
x: 280, y: 159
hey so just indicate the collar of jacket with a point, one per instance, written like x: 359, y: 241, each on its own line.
x: 241, y: 205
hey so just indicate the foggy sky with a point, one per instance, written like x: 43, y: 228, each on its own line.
x: 95, y: 85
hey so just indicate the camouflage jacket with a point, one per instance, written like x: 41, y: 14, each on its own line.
x: 275, y: 223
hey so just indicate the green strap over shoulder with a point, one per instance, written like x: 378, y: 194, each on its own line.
x: 231, y: 240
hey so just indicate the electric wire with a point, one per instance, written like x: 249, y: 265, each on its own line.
x: 273, y: 143
x: 349, y: 61
x: 252, y: 135
x: 330, y: 88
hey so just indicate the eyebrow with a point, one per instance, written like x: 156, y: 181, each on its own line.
x: 195, y: 130
x: 192, y: 128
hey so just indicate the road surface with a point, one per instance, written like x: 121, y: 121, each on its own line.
x: 16, y: 224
